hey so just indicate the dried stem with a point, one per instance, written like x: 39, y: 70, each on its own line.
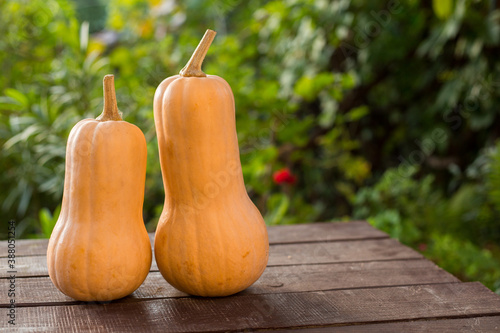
x: 110, y: 111
x: 193, y: 67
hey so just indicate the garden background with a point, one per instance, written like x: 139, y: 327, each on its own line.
x: 380, y: 110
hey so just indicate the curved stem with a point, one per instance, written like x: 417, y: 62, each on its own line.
x: 110, y: 111
x: 193, y: 67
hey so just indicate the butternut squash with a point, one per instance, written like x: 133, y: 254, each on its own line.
x: 99, y: 249
x: 211, y: 240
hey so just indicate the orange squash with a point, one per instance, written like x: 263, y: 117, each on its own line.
x: 99, y: 249
x: 211, y: 240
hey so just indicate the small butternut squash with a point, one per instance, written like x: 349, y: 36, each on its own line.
x: 99, y: 249
x: 211, y: 240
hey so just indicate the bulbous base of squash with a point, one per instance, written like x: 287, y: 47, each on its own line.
x: 211, y: 285
x: 102, y: 270
x: 212, y: 254
x: 100, y: 294
x: 108, y: 289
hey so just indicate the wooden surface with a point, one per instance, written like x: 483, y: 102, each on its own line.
x: 321, y: 277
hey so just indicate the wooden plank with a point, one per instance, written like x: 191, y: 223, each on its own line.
x: 26, y: 247
x: 311, y: 232
x: 288, y: 310
x: 323, y: 232
x: 278, y: 279
x: 287, y: 254
x: 475, y: 324
x: 334, y: 252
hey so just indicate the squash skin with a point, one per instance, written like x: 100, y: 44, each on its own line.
x: 99, y: 249
x: 211, y: 240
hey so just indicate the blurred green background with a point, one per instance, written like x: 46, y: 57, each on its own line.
x: 382, y: 110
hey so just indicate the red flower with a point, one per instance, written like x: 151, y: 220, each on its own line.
x: 422, y: 247
x: 284, y: 176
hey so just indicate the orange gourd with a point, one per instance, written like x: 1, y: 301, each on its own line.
x: 211, y: 240
x: 99, y: 249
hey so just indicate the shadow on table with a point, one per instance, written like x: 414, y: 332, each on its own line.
x: 225, y: 313
x: 237, y: 312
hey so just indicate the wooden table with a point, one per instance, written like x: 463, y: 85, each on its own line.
x: 321, y: 277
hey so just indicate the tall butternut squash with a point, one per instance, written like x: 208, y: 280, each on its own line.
x: 211, y: 240
x: 99, y: 249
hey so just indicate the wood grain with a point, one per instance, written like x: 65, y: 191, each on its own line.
x: 323, y: 232
x: 462, y: 325
x: 311, y: 232
x: 288, y: 310
x: 287, y: 254
x: 335, y: 252
x: 324, y: 277
x: 278, y: 279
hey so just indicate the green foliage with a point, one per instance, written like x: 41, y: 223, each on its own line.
x: 465, y: 259
x: 48, y: 220
x: 397, y: 204
x: 460, y: 233
x: 493, y: 186
x: 383, y: 110
x: 442, y: 8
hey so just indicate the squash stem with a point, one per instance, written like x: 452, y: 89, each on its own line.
x: 110, y: 111
x: 193, y: 67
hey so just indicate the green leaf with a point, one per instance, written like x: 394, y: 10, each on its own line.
x: 310, y: 87
x: 442, y: 8
x: 357, y: 113
x: 48, y: 220
x: 305, y: 88
x: 18, y: 96
x: 277, y: 205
